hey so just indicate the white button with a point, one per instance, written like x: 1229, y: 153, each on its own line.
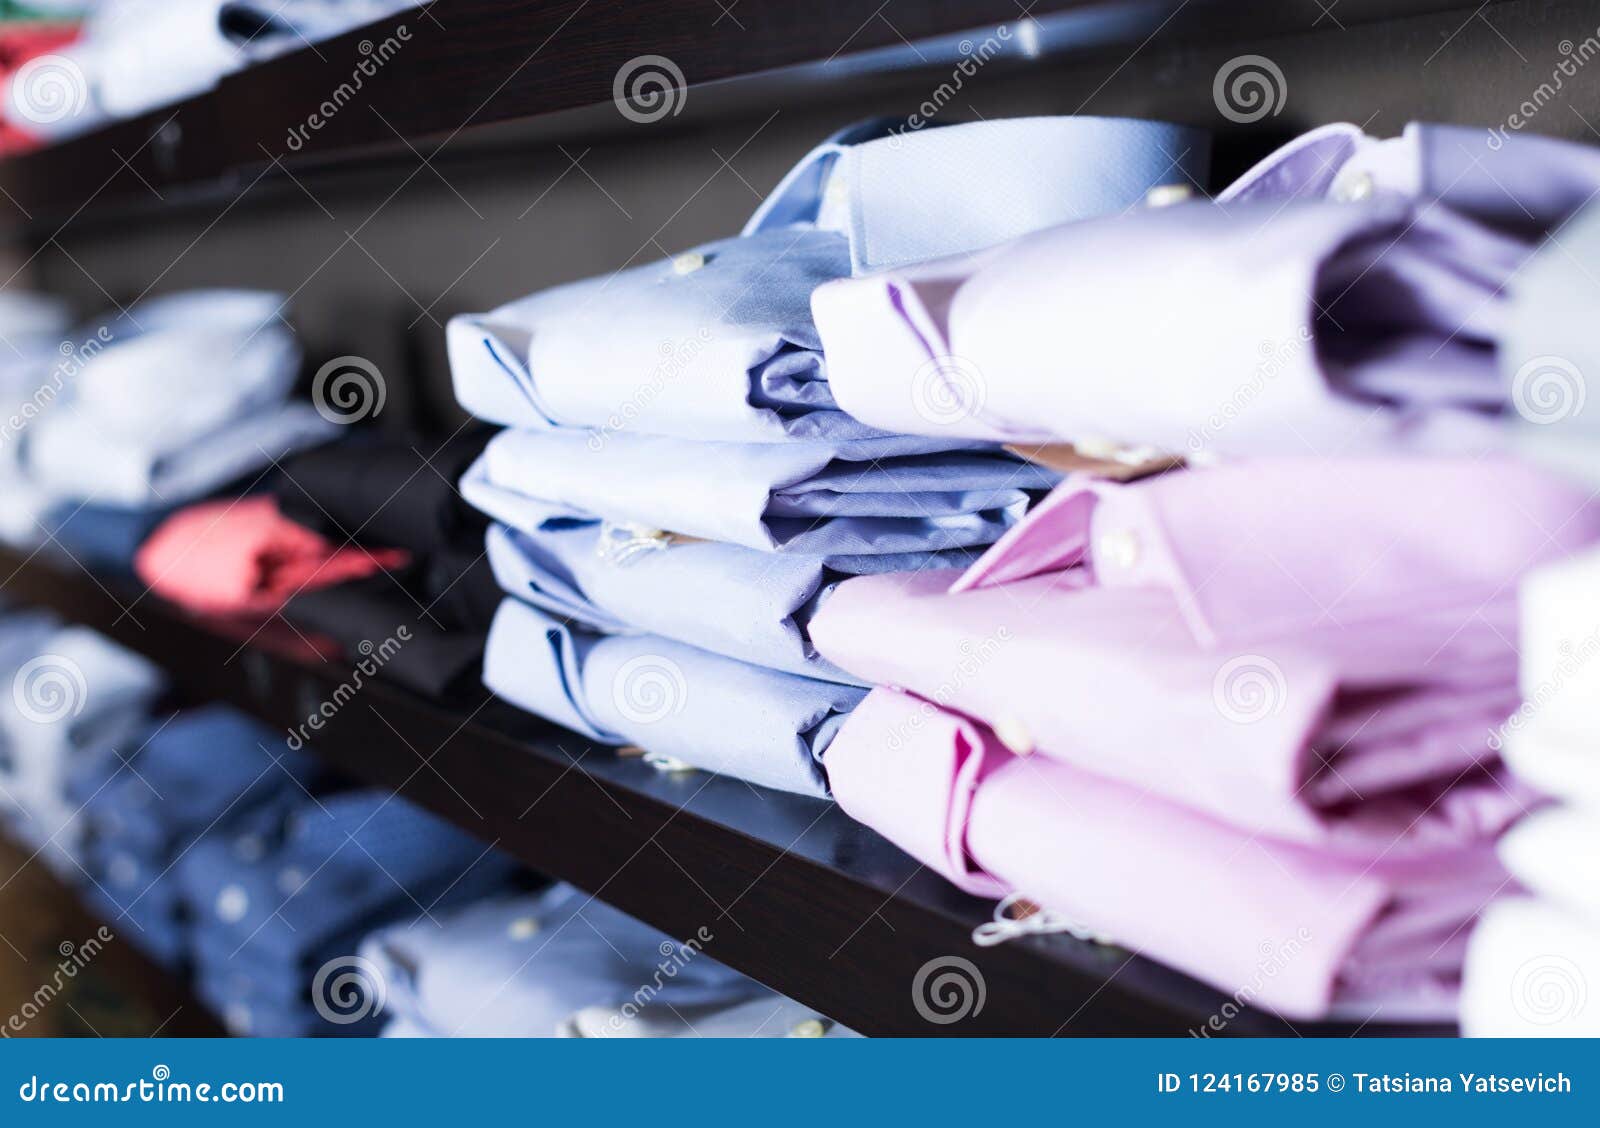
x: 1165, y: 195
x: 232, y: 903
x: 688, y: 262
x: 523, y: 927
x: 123, y: 870
x: 237, y: 1018
x: 664, y: 763
x: 1011, y: 732
x: 809, y: 1028
x: 1118, y: 549
x: 1351, y: 189
x: 291, y: 881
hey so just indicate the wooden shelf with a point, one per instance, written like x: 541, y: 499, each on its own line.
x: 469, y: 66
x: 791, y: 890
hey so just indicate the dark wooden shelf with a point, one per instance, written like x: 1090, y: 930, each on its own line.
x: 791, y: 890
x: 472, y: 65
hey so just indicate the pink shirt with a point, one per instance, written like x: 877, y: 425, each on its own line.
x: 1299, y: 930
x: 1316, y: 650
x: 243, y: 557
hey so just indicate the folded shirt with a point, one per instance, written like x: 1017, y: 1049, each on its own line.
x: 1352, y: 937
x: 136, y: 55
x: 74, y: 693
x: 147, y: 801
x: 430, y: 652
x: 385, y: 489
x: 893, y: 495
x: 272, y: 905
x: 730, y: 600
x: 1555, y: 853
x: 145, y: 420
x: 1545, y: 352
x: 1530, y: 967
x: 399, y: 490
x: 1525, y: 183
x: 183, y: 776
x: 1264, y: 327
x: 72, y: 458
x: 561, y: 964
x: 707, y: 711
x: 717, y: 343
x: 99, y: 537
x: 243, y: 557
x: 1290, y: 654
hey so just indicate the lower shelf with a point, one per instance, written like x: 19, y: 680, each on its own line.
x: 64, y: 972
x: 791, y: 891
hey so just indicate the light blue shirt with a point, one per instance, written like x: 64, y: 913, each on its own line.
x: 735, y: 601
x: 718, y: 342
x: 701, y: 709
x: 562, y: 964
x: 874, y: 496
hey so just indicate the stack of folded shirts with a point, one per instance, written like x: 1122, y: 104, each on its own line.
x: 31, y: 379
x: 66, y: 695
x: 561, y: 964
x: 146, y: 801
x: 1534, y: 961
x: 1346, y: 295
x: 680, y: 491
x: 1219, y: 715
x: 278, y: 906
x: 398, y: 491
x: 135, y: 55
x: 175, y: 399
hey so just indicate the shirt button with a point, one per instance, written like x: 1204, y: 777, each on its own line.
x: 1010, y: 731
x: 1352, y: 189
x: 232, y: 903
x: 1165, y: 195
x: 237, y: 1018
x: 522, y: 928
x: 809, y: 1028
x: 688, y: 262
x: 123, y: 870
x: 1119, y: 549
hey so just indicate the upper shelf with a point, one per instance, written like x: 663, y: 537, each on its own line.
x: 791, y: 891
x: 455, y: 68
